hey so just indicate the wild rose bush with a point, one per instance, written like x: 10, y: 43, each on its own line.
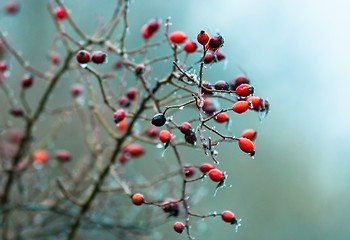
x: 69, y: 155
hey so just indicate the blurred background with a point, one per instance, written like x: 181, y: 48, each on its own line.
x: 296, y: 54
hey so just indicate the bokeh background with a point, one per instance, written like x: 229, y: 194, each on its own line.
x: 296, y: 54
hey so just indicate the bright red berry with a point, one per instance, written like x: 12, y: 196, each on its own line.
x: 60, y: 13
x: 221, y: 117
x: 40, y: 156
x: 99, y: 57
x: 83, y: 57
x: 146, y: 34
x: 203, y: 38
x: 165, y: 136
x: 255, y: 103
x: 216, y: 42
x: 246, y: 145
x: 119, y: 115
x: 205, y: 167
x: 190, y: 47
x: 121, y: 126
x: 137, y: 199
x: 228, y: 216
x: 215, y: 175
x: 27, y: 81
x: 240, y: 107
x: 63, y: 156
x: 250, y: 134
x: 185, y: 127
x: 179, y: 227
x: 177, y: 37
x: 244, y: 90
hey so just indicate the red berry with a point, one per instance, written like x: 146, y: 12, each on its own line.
x: 131, y: 93
x: 55, y: 58
x: 118, y: 65
x: 255, y: 103
x: 250, y: 134
x: 219, y: 55
x: 207, y: 88
x: 222, y: 85
x: 140, y: 69
x: 216, y: 41
x: 246, y: 145
x: 177, y: 37
x: 203, y: 38
x: 190, y: 47
x: 164, y: 136
x: 135, y: 150
x: 63, y: 156
x: 17, y: 111
x: 60, y: 13
x: 145, y: 32
x: 76, y: 90
x: 240, y: 107
x: 190, y: 137
x: 240, y: 79
x: 137, y: 199
x: 27, y: 81
x: 179, y: 227
x: 124, y: 158
x: 99, y: 57
x: 208, y: 106
x: 205, y: 167
x: 153, y: 26
x: 11, y: 7
x: 121, y: 126
x: 244, y: 90
x: 208, y: 58
x: 221, y: 117
x: 215, y: 175
x: 83, y: 57
x: 40, y: 156
x: 119, y: 115
x: 228, y: 216
x: 3, y: 66
x: 189, y: 171
x: 152, y: 132
x: 185, y: 127
x: 124, y: 101
x: 14, y: 136
x: 171, y: 206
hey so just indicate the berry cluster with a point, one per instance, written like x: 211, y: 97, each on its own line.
x: 117, y: 114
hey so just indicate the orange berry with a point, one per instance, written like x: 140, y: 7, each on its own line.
x: 40, y: 156
x: 137, y: 199
x: 164, y: 136
x: 240, y: 107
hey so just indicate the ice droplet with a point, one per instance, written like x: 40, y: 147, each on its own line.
x: 83, y: 65
x: 181, y: 108
x: 159, y: 145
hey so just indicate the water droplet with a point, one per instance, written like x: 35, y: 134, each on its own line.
x: 231, y: 185
x: 181, y: 108
x: 159, y: 145
x: 83, y: 65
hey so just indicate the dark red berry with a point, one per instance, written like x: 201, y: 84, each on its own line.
x: 11, y: 7
x: 188, y: 171
x: 222, y: 85
x: 216, y: 41
x: 145, y: 32
x: 99, y: 57
x: 76, y: 90
x: 152, y: 132
x: 17, y: 112
x: 63, y: 156
x: 190, y: 137
x: 140, y: 69
x: 153, y: 26
x: 208, y: 58
x: 118, y: 65
x: 27, y: 81
x: 219, y: 56
x: 185, y: 127
x: 124, y: 101
x: 83, y: 57
x: 158, y: 120
x: 179, y: 227
x: 119, y: 116
x: 171, y: 206
x: 131, y: 93
x: 14, y: 136
x: 3, y: 66
x: 207, y: 87
x: 240, y: 79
